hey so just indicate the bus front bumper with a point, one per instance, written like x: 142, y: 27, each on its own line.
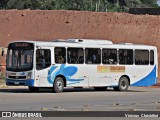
x: 28, y: 82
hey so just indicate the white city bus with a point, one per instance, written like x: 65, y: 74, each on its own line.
x: 80, y: 63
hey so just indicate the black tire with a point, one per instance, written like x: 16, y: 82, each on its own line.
x: 33, y: 89
x: 58, y: 85
x: 100, y: 88
x: 123, y: 84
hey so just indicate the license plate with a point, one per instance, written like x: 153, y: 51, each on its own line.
x: 16, y: 83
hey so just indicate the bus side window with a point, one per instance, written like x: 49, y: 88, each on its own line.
x: 141, y: 57
x: 75, y: 55
x: 151, y: 57
x: 93, y: 56
x: 126, y: 56
x: 60, y: 55
x: 109, y: 56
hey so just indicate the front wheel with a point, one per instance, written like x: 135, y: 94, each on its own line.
x: 58, y: 85
x: 123, y: 84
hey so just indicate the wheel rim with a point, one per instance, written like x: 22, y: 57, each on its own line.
x: 123, y: 84
x: 59, y: 85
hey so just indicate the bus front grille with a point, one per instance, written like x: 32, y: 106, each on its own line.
x: 17, y: 77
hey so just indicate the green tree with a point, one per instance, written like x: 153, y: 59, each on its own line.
x: 85, y: 5
x: 3, y: 4
x: 16, y: 4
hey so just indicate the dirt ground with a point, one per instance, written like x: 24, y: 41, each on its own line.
x: 49, y: 25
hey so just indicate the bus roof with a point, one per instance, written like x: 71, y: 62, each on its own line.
x: 87, y: 43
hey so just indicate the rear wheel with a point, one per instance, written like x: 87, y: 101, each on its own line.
x: 58, y: 85
x: 33, y: 89
x: 123, y: 84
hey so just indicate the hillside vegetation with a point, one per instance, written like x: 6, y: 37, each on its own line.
x: 82, y: 5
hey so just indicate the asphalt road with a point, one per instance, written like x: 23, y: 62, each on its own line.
x: 135, y: 99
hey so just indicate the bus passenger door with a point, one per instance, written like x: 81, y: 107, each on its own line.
x: 43, y: 63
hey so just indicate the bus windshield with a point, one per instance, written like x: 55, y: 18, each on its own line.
x: 20, y: 57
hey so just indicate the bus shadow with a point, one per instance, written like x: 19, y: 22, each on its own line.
x: 92, y: 90
x: 67, y: 90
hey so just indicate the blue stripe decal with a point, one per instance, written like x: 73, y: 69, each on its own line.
x: 72, y: 83
x: 74, y: 80
x: 149, y: 80
x: 68, y: 72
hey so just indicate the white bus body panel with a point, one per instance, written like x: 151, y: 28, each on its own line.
x: 90, y: 75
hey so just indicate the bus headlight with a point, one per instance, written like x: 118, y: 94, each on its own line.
x: 29, y: 75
